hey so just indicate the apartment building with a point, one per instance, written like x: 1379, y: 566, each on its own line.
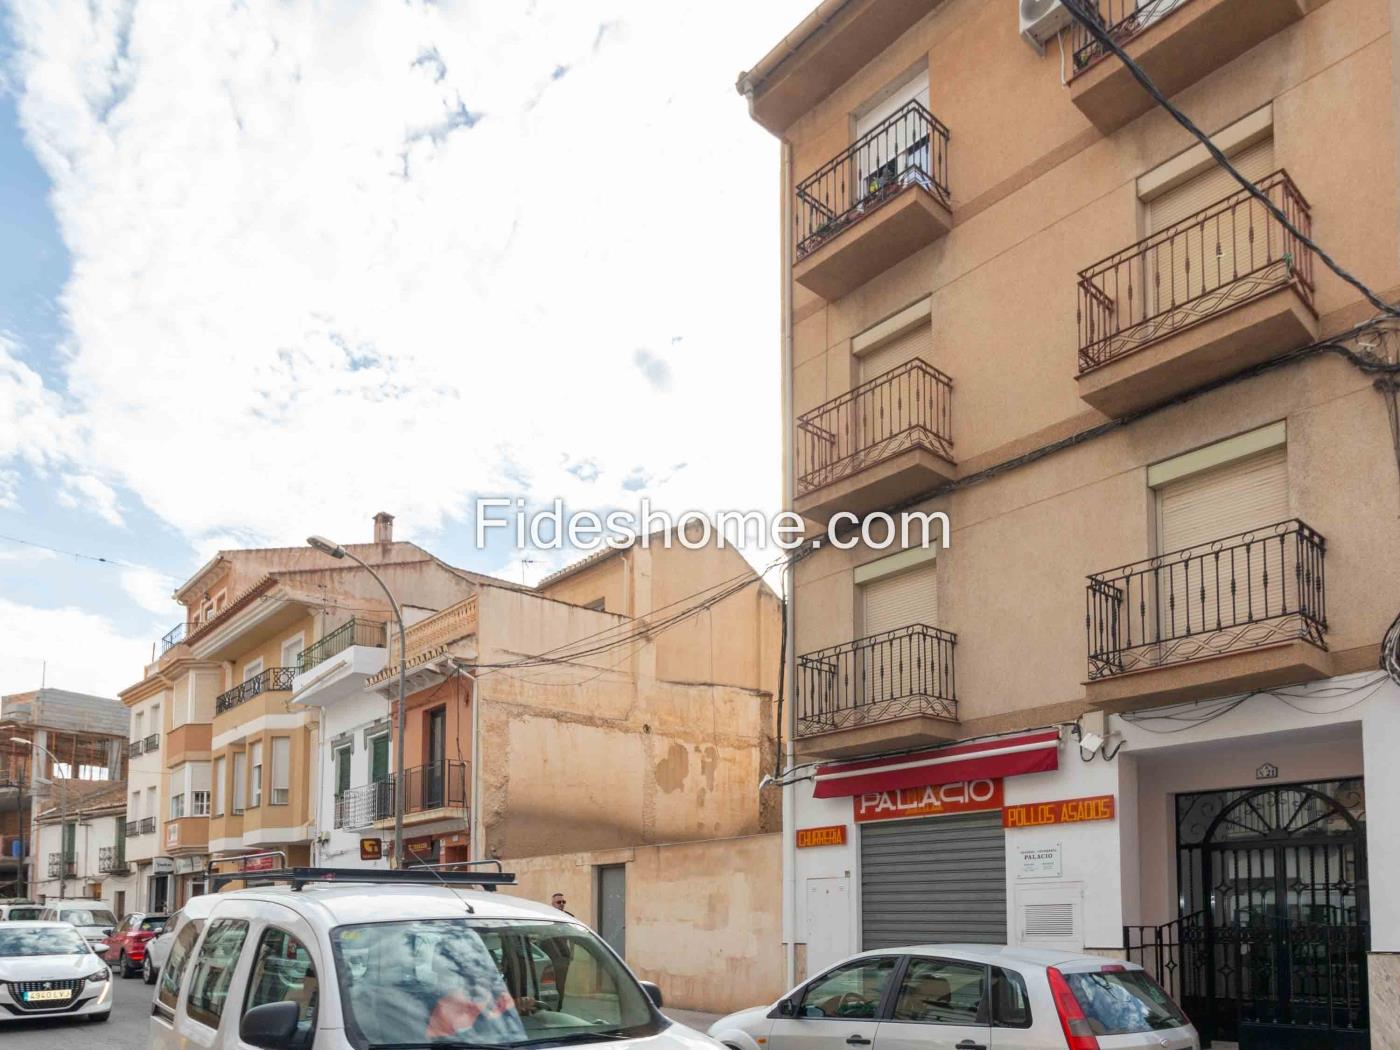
x: 570, y: 733
x: 53, y: 743
x: 1131, y: 706
x: 234, y: 770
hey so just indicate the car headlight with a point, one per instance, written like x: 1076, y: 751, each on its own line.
x: 103, y: 974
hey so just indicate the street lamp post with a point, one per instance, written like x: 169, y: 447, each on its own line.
x: 335, y: 550
x: 62, y: 816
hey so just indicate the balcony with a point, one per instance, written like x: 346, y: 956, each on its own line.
x: 110, y: 861
x: 148, y: 825
x: 61, y: 869
x: 133, y: 749
x: 352, y: 632
x: 175, y: 636
x: 430, y: 638
x: 1242, y: 613
x: 360, y: 807
x: 133, y: 828
x: 433, y: 792
x: 889, y: 690
x: 273, y: 680
x: 876, y: 203
x: 152, y: 743
x: 1177, y: 42
x: 1224, y: 289
x: 889, y: 437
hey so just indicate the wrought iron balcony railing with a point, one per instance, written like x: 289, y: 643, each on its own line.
x: 110, y: 860
x: 60, y: 868
x: 1121, y: 19
x: 909, y: 148
x: 175, y: 636
x: 148, y: 825
x: 152, y: 743
x: 133, y: 828
x: 273, y: 680
x: 360, y: 807
x: 1210, y: 262
x: 908, y: 407
x: 908, y: 671
x: 353, y: 632
x: 1237, y: 593
x: 133, y: 749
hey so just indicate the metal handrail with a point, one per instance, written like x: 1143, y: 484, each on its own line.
x: 907, y: 671
x: 1235, y: 593
x: 909, y: 406
x: 272, y: 680
x: 175, y: 636
x: 908, y: 148
x: 1221, y: 257
x: 369, y: 633
x: 1122, y: 20
x: 152, y: 743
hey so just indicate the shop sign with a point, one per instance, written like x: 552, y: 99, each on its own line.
x: 1041, y: 863
x: 162, y: 865
x: 371, y: 849
x: 834, y: 835
x: 937, y: 800
x: 188, y: 865
x: 1066, y: 811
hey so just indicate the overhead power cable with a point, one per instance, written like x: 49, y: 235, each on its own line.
x: 1094, y: 25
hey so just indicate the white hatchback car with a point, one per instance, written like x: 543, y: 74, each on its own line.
x: 341, y: 959
x: 967, y: 997
x: 47, y: 969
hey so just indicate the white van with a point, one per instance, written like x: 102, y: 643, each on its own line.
x: 93, y: 919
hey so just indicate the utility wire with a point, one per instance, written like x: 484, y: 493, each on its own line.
x: 71, y: 554
x: 1096, y: 29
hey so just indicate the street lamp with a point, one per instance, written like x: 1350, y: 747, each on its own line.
x: 335, y: 550
x: 62, y: 816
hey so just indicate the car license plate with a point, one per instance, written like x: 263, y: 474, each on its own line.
x: 48, y: 995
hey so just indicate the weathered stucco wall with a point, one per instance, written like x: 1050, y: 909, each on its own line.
x: 702, y: 918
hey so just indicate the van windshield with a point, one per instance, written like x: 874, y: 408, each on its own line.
x: 87, y: 916
x: 496, y: 982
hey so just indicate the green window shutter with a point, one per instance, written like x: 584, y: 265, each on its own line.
x: 70, y: 839
x: 379, y: 759
x: 120, y: 851
x: 342, y: 771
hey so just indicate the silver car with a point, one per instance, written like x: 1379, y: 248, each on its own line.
x: 47, y: 969
x: 968, y: 996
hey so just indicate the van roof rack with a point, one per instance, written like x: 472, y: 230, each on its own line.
x: 419, y: 875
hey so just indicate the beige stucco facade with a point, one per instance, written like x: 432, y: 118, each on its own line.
x: 1074, y: 377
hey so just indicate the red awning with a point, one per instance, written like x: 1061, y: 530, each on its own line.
x: 1006, y: 756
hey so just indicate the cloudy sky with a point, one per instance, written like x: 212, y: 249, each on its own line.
x: 270, y: 267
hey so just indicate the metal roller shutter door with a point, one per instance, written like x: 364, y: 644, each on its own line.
x: 931, y: 881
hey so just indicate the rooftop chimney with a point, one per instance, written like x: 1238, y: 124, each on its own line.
x: 383, y: 527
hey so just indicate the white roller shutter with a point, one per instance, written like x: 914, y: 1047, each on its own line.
x: 914, y: 89
x: 1253, y: 162
x: 891, y: 602
x: 1229, y: 499
x: 916, y: 342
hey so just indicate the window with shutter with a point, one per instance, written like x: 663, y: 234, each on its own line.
x: 281, y: 770
x: 900, y: 667
x: 900, y: 600
x: 916, y: 342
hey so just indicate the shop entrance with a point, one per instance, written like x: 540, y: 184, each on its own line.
x: 1270, y: 950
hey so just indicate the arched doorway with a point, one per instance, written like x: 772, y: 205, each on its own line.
x: 1279, y: 900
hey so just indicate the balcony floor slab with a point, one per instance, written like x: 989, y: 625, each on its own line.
x: 894, y: 734
x: 896, y: 229
x: 881, y: 484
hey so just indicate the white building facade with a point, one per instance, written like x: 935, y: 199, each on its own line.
x: 81, y: 853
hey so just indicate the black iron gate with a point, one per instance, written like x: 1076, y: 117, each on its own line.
x: 1271, y: 948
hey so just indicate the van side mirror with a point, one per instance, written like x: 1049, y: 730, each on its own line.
x: 653, y: 991
x: 272, y: 1026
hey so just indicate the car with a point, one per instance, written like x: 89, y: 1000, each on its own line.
x: 125, y: 947
x: 20, y: 911
x: 158, y: 949
x: 48, y: 969
x: 93, y: 921
x: 973, y: 996
x: 351, y: 959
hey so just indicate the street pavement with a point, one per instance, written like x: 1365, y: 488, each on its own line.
x: 130, y: 1021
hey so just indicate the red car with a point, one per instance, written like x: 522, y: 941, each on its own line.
x: 126, y: 945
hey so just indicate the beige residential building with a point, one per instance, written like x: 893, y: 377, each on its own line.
x: 1018, y: 293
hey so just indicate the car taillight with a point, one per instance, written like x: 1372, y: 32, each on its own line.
x: 1072, y: 1019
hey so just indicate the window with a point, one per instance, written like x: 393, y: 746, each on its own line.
x: 281, y: 770
x: 939, y: 991
x: 219, y: 766
x: 255, y: 780
x: 174, y: 969
x: 291, y: 651
x: 213, y: 970
x: 240, y: 783
x: 850, y: 991
x: 199, y: 803
x: 136, y: 805
x: 252, y: 670
x: 155, y: 718
x: 139, y: 723
x: 152, y: 805
x: 1124, y: 1002
x: 1011, y: 1006
x: 379, y: 759
x: 342, y: 769
x: 283, y: 972
x: 177, y: 806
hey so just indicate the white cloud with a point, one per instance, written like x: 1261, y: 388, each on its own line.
x: 150, y: 589
x: 334, y: 259
x: 85, y: 492
x: 83, y: 652
x: 35, y: 431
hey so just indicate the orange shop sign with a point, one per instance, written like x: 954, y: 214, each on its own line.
x: 1066, y: 811
x: 936, y: 800
x: 832, y: 835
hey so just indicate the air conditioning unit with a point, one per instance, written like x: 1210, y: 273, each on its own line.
x: 1041, y: 20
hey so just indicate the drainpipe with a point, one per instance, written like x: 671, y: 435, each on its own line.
x: 790, y: 606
